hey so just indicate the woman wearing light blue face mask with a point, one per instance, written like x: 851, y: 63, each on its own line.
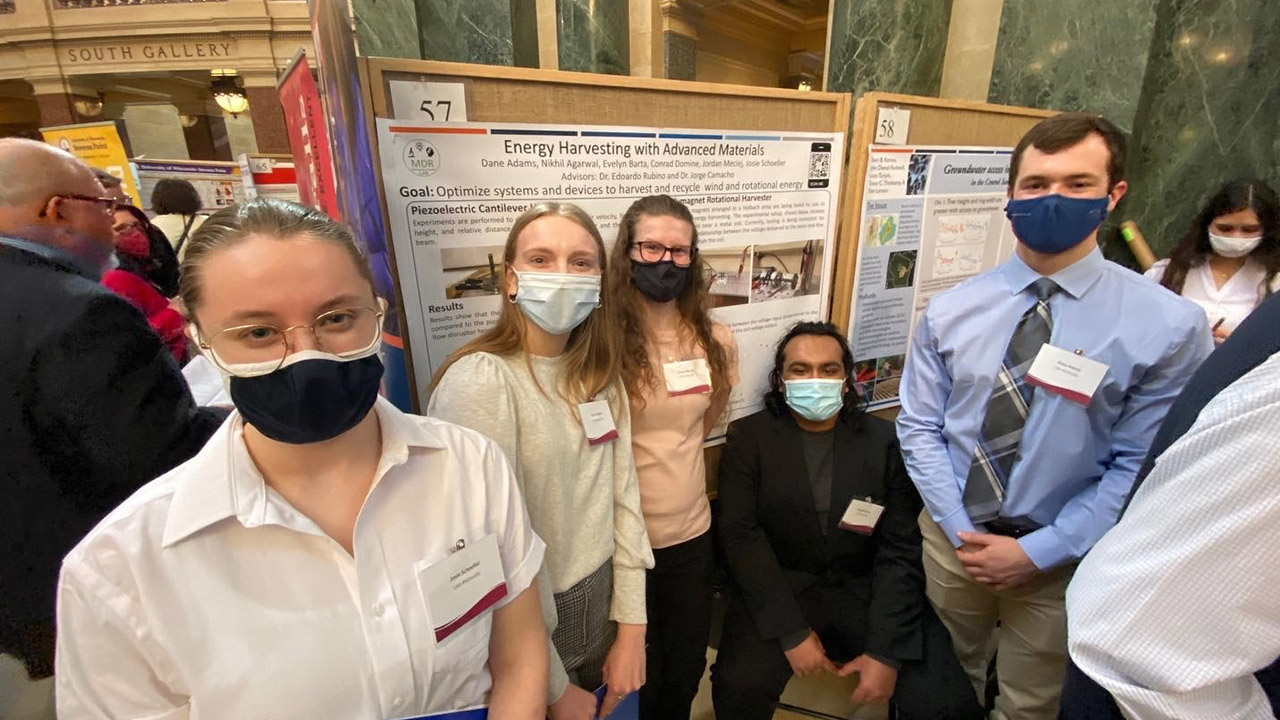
x: 1229, y: 259
x: 543, y: 382
x: 301, y: 563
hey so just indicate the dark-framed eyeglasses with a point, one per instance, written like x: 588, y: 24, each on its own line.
x: 252, y: 350
x: 681, y: 255
x: 107, y: 204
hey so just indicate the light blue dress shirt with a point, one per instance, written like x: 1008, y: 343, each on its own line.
x: 1076, y: 463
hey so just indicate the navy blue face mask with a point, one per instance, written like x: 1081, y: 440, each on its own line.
x: 311, y: 400
x: 1054, y: 223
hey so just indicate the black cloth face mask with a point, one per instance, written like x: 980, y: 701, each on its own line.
x: 311, y: 400
x: 660, y: 281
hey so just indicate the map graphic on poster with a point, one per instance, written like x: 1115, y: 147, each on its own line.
x: 931, y: 218
x: 764, y: 204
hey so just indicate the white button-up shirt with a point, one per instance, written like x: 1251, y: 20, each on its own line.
x: 1230, y: 303
x: 206, y: 595
x: 1176, y: 608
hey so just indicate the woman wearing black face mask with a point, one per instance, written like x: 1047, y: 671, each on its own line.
x: 306, y: 560
x: 679, y: 368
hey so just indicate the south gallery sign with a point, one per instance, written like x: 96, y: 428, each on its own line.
x: 148, y: 51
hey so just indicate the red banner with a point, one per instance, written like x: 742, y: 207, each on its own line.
x: 308, y: 137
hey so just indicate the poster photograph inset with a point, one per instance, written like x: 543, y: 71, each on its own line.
x: 931, y: 218
x: 764, y: 204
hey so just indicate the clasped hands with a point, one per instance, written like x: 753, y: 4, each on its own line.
x: 996, y: 561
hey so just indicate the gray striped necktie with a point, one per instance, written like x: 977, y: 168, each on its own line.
x: 997, y: 449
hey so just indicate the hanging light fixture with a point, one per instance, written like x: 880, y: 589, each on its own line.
x: 228, y: 93
x: 88, y: 106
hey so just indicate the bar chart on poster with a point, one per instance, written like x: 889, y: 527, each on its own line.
x: 931, y: 218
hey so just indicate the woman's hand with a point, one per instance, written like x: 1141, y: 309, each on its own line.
x: 624, y: 667
x: 574, y: 704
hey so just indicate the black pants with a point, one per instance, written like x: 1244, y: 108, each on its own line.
x: 750, y: 672
x: 678, y: 595
x: 1085, y: 699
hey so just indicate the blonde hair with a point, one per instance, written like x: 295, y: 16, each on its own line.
x: 590, y: 358
x: 270, y: 217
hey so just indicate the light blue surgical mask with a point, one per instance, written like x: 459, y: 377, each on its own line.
x: 557, y: 302
x: 815, y: 399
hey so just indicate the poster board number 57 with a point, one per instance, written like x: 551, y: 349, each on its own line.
x: 437, y: 110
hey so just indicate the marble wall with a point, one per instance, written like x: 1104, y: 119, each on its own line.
x: 1208, y: 111
x: 888, y: 45
x: 475, y: 31
x: 386, y: 28
x: 594, y: 36
x: 1080, y: 55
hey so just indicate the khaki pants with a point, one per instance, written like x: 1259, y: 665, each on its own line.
x: 1031, y: 647
x: 22, y: 698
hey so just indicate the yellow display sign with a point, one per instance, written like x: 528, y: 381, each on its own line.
x: 99, y: 146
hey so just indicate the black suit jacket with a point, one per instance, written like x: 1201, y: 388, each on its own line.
x: 92, y: 406
x: 775, y: 547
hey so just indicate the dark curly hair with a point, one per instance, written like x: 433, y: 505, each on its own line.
x: 175, y: 196
x: 1194, y: 248
x: 776, y: 399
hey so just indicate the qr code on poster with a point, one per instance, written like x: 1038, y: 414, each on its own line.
x: 819, y: 165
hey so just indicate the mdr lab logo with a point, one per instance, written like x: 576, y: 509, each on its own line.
x: 421, y: 158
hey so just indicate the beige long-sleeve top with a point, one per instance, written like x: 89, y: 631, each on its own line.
x: 583, y: 500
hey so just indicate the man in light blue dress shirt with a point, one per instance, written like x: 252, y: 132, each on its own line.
x: 1021, y: 477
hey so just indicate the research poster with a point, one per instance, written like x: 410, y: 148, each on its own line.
x: 218, y: 183
x: 931, y: 218
x: 764, y: 204
x: 98, y: 145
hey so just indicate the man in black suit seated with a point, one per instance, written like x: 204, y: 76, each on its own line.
x: 819, y: 523
x: 92, y: 405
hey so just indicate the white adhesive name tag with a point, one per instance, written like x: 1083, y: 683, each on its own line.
x: 597, y: 422
x: 687, y: 377
x: 1065, y: 373
x: 462, y: 586
x: 861, y: 516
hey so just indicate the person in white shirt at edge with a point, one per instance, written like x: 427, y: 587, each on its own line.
x: 1228, y: 261
x: 679, y: 368
x: 292, y: 569
x: 543, y: 382
x: 1176, y: 608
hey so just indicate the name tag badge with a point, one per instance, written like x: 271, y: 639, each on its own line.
x: 462, y: 586
x: 597, y: 422
x: 861, y: 516
x: 1065, y: 373
x: 687, y: 377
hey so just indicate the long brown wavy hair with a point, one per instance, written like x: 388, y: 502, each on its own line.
x: 591, y: 356
x: 626, y: 302
x: 1194, y: 248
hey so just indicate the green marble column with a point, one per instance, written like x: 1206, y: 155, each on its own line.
x: 888, y: 45
x: 1087, y: 55
x: 594, y: 36
x: 386, y: 28
x: 1208, y: 113
x: 474, y: 31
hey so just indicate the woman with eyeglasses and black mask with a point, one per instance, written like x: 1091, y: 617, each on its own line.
x: 679, y: 367
x: 324, y: 555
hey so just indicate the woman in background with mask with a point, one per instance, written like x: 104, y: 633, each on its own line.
x: 1228, y: 261
x: 299, y: 566
x: 132, y: 280
x: 543, y: 383
x: 679, y: 368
